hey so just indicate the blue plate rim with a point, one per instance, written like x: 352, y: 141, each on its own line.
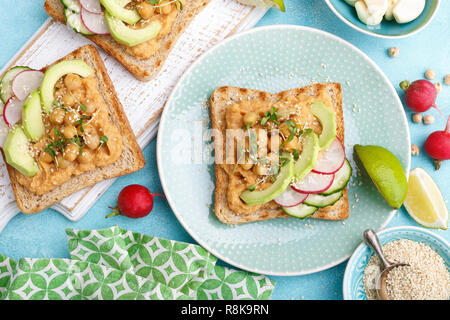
x: 374, y: 34
x: 180, y: 82
x: 392, y: 230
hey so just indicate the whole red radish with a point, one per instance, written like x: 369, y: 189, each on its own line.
x: 437, y: 145
x: 420, y: 95
x: 134, y: 201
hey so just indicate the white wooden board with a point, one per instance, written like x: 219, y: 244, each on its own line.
x: 142, y: 101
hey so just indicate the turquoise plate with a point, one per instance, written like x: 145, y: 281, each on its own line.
x: 278, y: 58
x: 386, y: 29
x: 353, y: 288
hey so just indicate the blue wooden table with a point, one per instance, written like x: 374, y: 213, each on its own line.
x: 43, y: 235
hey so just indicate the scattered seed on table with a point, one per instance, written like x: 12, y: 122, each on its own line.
x: 393, y: 52
x: 438, y: 86
x: 447, y: 79
x: 417, y: 118
x: 428, y: 119
x: 430, y: 74
x: 415, y: 150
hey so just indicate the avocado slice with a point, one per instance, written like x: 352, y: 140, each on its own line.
x: 32, y: 123
x: 308, y: 157
x: 327, y: 119
x: 57, y: 71
x: 114, y: 8
x: 281, y: 183
x: 16, y: 152
x: 128, y: 36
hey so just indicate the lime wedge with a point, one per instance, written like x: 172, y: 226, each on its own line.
x: 424, y: 201
x: 279, y: 4
x: 386, y: 173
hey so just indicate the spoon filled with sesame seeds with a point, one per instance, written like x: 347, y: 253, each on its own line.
x: 371, y: 239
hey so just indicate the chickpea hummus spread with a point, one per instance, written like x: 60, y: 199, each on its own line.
x: 78, y: 135
x: 271, y: 136
x: 165, y: 12
x: 279, y: 155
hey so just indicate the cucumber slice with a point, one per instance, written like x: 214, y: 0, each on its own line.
x: 5, y: 82
x: 319, y: 201
x: 301, y: 211
x: 74, y: 21
x: 341, y: 179
x: 72, y: 5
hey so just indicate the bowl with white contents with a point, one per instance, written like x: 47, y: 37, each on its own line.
x: 426, y: 277
x: 385, y: 18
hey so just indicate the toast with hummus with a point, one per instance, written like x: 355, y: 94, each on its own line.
x: 139, y: 34
x: 72, y: 134
x: 254, y: 182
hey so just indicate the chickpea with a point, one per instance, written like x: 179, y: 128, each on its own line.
x: 428, y: 119
x: 415, y: 150
x: 69, y: 132
x: 68, y: 100
x: 393, y: 52
x: 165, y: 8
x: 45, y: 157
x: 430, y: 74
x: 57, y: 116
x: 261, y: 170
x: 72, y: 82
x: 88, y: 108
x: 146, y: 10
x: 53, y: 133
x: 246, y: 166
x: 291, y: 145
x: 71, y: 152
x: 250, y: 118
x: 70, y: 118
x: 91, y: 138
x: 417, y: 118
x: 86, y: 156
x: 63, y: 163
x: 284, y: 129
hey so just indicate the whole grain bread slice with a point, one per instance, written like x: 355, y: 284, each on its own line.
x: 143, y: 70
x: 224, y: 97
x: 129, y: 161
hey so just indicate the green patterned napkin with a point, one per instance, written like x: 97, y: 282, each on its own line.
x: 114, y: 263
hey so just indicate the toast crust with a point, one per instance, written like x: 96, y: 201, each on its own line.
x: 130, y: 160
x: 220, y: 99
x: 143, y: 70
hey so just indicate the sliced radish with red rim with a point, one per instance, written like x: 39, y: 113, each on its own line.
x: 290, y: 198
x: 12, y: 112
x: 25, y: 82
x: 4, y: 130
x: 94, y: 22
x: 331, y: 159
x: 313, y: 183
x: 92, y: 6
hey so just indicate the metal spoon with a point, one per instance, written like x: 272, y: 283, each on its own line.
x: 371, y: 239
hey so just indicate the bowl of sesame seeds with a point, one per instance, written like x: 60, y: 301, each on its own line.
x: 426, y: 278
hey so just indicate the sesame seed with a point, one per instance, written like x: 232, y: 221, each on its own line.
x: 426, y: 277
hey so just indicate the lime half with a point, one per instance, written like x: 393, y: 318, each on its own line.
x: 279, y: 4
x: 386, y: 173
x: 424, y: 201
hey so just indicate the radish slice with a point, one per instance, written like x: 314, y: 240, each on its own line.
x: 94, y: 22
x: 332, y: 159
x: 12, y: 112
x: 314, y: 183
x: 4, y: 130
x: 92, y: 6
x: 25, y: 82
x: 290, y: 198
